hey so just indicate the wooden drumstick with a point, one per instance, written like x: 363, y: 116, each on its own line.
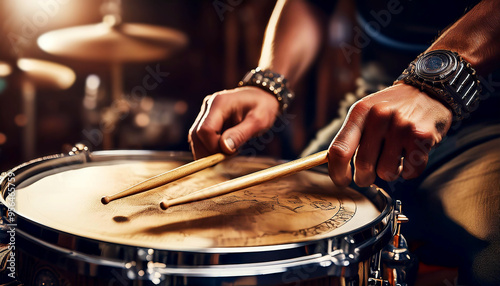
x: 251, y: 179
x: 167, y: 177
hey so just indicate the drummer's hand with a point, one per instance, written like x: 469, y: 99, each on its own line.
x: 399, y: 121
x: 229, y: 118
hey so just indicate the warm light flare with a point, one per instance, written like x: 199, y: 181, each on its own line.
x: 47, y: 73
x: 93, y: 82
x: 21, y: 120
x: 142, y: 119
x: 32, y: 17
x: 51, y: 41
x: 3, y: 138
x: 5, y: 69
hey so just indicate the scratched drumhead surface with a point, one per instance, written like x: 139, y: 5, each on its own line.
x: 300, y: 207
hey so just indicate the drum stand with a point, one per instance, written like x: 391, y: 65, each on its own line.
x: 37, y: 74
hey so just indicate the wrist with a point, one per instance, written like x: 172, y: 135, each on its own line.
x: 448, y: 78
x: 272, y: 83
x: 404, y: 88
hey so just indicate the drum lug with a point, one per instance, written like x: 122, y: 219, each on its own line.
x: 343, y: 256
x: 377, y: 282
x: 79, y: 148
x: 395, y: 262
x: 143, y: 267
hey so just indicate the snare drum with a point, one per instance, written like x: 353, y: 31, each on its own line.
x: 300, y: 229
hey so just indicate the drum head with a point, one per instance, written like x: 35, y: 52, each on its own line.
x: 301, y: 207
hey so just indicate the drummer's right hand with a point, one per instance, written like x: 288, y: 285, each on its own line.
x: 229, y: 118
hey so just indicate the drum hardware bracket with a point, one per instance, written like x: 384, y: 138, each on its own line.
x: 79, y: 148
x: 143, y: 267
x: 395, y: 265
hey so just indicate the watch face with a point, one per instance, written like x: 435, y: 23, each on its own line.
x: 436, y: 65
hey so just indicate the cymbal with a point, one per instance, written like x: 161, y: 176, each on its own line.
x: 104, y: 42
x: 47, y: 74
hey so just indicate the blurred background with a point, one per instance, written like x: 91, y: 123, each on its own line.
x: 132, y: 74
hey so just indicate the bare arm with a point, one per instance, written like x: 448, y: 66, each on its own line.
x: 476, y: 37
x: 231, y: 117
x: 402, y: 121
x: 293, y: 37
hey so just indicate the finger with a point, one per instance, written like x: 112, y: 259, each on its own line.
x: 195, y: 144
x: 365, y: 159
x: 388, y: 166
x: 196, y: 122
x: 389, y: 162
x: 344, y: 145
x: 198, y: 149
x: 236, y: 136
x: 205, y: 133
x: 416, y: 157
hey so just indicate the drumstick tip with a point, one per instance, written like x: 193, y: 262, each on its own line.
x: 164, y: 205
x: 105, y: 200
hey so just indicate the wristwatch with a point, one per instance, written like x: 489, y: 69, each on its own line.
x: 446, y: 76
x: 272, y: 82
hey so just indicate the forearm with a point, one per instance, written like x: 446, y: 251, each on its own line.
x: 293, y: 38
x: 476, y: 37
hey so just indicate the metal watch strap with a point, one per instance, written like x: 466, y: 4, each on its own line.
x: 460, y: 90
x: 271, y: 82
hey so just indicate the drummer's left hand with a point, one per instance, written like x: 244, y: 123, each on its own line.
x: 380, y: 129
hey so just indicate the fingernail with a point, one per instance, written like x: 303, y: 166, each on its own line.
x: 229, y: 143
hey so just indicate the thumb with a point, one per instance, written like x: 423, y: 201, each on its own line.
x: 233, y: 138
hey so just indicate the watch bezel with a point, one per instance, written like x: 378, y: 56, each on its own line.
x: 440, y: 75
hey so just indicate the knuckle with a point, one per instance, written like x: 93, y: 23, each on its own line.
x: 401, y: 121
x: 380, y: 111
x: 257, y: 121
x: 386, y: 174
x: 217, y: 98
x: 204, y: 130
x: 360, y: 107
x: 222, y: 95
x: 423, y: 140
x: 423, y: 135
x: 363, y: 165
x: 340, y: 149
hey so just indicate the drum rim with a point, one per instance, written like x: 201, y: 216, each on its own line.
x: 371, y: 237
